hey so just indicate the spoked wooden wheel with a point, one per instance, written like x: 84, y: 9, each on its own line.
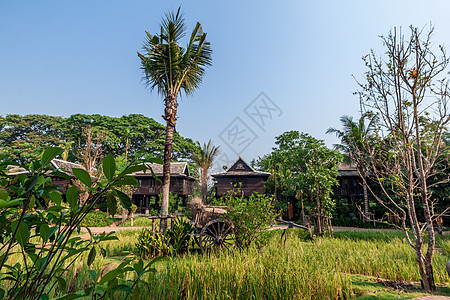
x: 216, y: 234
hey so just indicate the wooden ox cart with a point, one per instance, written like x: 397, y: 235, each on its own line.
x: 211, y: 230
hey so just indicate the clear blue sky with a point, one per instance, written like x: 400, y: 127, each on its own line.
x: 66, y: 57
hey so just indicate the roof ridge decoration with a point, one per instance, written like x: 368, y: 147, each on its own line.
x: 236, y: 170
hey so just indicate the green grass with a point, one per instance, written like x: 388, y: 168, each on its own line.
x: 320, y: 269
x: 344, y: 266
x: 366, y: 288
x: 140, y: 221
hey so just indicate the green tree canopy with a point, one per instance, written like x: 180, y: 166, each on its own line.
x: 25, y: 137
x: 305, y: 168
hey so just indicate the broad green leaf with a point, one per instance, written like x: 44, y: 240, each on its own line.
x: 123, y: 288
x: 109, y: 167
x: 91, y: 256
x: 50, y: 154
x: 72, y: 195
x: 126, y: 180
x: 44, y: 297
x: 44, y: 232
x: 92, y: 275
x: 111, y: 204
x: 83, y: 176
x: 62, y: 284
x: 125, y: 200
x: 110, y: 275
x: 4, y: 194
x: 4, y: 204
x: 56, y: 197
x: 139, y: 266
x: 31, y: 183
x: 22, y: 234
x: 134, y: 168
x: 32, y: 202
x: 61, y: 174
x: 157, y: 160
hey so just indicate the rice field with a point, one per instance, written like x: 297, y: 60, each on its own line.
x: 325, y: 268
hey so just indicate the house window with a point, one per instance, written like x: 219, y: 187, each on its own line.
x: 240, y: 166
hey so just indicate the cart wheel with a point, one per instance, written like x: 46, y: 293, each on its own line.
x: 216, y: 234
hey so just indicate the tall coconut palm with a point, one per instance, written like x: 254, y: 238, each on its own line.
x: 173, y: 70
x: 354, y: 136
x: 204, y: 158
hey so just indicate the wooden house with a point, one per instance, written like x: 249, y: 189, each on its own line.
x: 350, y: 183
x: 56, y: 165
x: 240, y: 174
x: 65, y: 167
x: 181, y: 184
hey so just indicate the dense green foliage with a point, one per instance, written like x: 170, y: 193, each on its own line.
x: 304, y: 168
x: 39, y: 227
x: 25, y: 137
x: 250, y: 217
x: 96, y: 219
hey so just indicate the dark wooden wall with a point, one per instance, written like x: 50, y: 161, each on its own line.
x: 178, y: 185
x: 249, y: 185
x: 349, y: 186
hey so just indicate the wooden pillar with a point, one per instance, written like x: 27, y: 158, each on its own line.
x: 153, y: 227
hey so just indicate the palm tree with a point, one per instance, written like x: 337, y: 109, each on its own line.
x: 354, y: 137
x: 204, y: 160
x: 173, y: 70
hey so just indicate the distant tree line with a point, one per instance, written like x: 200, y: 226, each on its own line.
x: 25, y: 137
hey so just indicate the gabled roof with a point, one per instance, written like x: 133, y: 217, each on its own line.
x: 57, y: 164
x: 241, y: 168
x: 176, y: 169
x: 346, y: 170
x: 65, y: 166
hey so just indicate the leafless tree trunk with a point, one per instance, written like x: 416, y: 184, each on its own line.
x: 408, y: 95
x: 90, y: 157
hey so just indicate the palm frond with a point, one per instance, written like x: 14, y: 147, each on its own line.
x: 167, y: 66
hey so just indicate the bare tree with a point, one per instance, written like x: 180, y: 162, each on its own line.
x: 90, y: 156
x: 407, y: 91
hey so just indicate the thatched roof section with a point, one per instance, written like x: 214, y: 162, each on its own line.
x: 57, y: 164
x: 65, y: 166
x: 15, y: 170
x: 176, y: 169
x: 346, y: 170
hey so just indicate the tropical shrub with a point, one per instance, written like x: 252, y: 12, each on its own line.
x: 149, y: 246
x: 250, y: 216
x: 179, y: 236
x: 173, y: 242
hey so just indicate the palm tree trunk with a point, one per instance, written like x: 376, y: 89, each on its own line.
x: 170, y: 117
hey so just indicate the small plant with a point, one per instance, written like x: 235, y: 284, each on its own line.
x: 179, y: 236
x: 149, y: 246
x: 173, y: 242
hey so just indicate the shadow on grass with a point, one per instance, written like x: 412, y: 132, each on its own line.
x: 366, y: 288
